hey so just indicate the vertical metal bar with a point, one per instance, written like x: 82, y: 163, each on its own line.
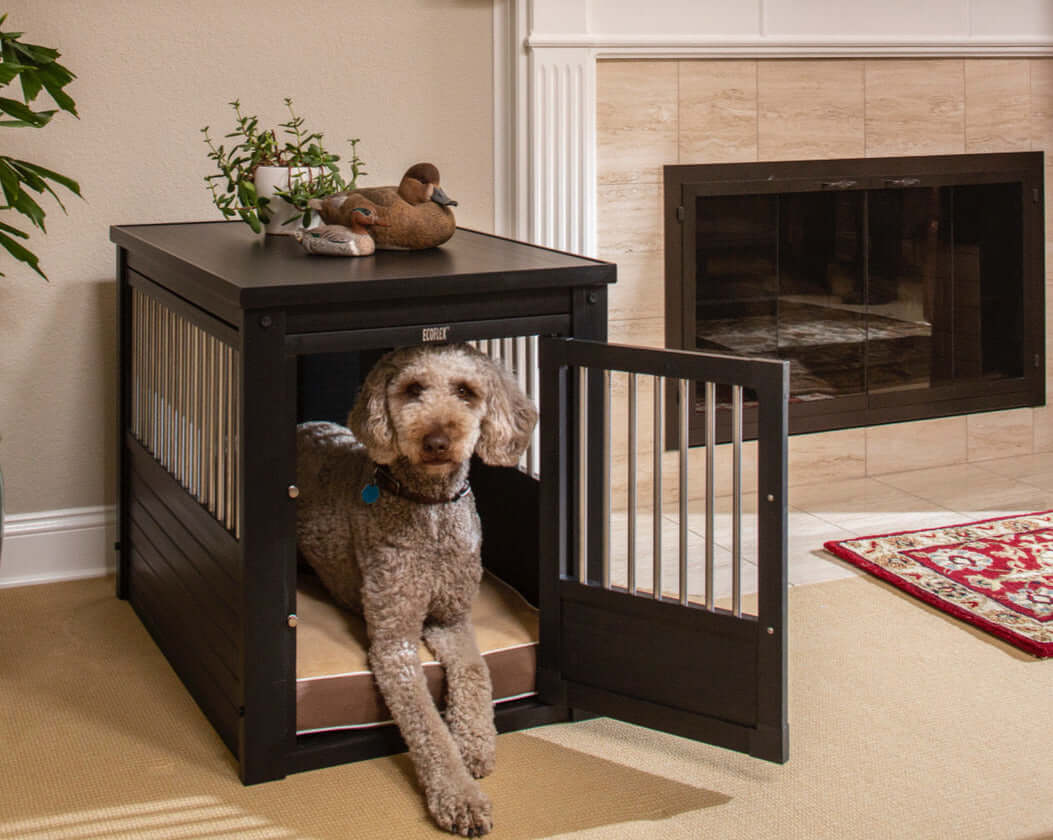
x: 159, y: 393
x: 516, y: 368
x: 534, y: 392
x: 169, y: 366
x: 177, y: 396
x: 229, y: 358
x: 195, y: 468
x: 159, y: 383
x: 137, y: 359
x: 148, y: 369
x: 188, y: 457
x: 138, y: 338
x: 659, y: 420
x: 583, y: 475
x: 162, y: 371
x: 217, y: 431
x: 202, y: 489
x: 188, y: 394
x: 206, y: 404
x: 736, y: 500
x: 195, y: 404
x: 711, y: 488
x: 236, y: 447
x: 151, y: 338
x: 145, y: 361
x: 606, y: 527
x: 183, y: 392
x: 630, y: 572
x: 519, y: 363
x: 210, y: 425
x: 167, y: 390
x: 220, y: 415
x: 225, y: 440
x: 173, y: 370
x: 685, y: 416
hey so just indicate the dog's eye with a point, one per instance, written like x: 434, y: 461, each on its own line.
x: 465, y: 392
x: 414, y: 390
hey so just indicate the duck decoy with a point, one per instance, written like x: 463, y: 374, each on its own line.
x: 341, y: 240
x: 415, y: 214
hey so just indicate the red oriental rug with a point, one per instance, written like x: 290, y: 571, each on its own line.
x: 996, y: 574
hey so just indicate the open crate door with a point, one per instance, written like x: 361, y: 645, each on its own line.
x: 664, y: 607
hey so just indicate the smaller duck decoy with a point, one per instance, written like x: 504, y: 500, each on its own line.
x: 341, y: 240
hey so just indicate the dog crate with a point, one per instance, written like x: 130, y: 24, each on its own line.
x: 633, y: 552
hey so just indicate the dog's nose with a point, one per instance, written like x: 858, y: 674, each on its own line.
x: 436, y: 443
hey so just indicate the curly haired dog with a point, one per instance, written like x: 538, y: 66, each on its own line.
x: 387, y: 520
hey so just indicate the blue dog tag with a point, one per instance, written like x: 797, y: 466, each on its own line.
x: 370, y: 493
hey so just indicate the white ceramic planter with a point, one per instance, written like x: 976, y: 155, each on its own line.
x: 271, y: 178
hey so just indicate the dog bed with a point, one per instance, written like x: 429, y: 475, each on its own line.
x: 335, y: 688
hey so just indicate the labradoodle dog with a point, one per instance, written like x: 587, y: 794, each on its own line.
x: 388, y: 521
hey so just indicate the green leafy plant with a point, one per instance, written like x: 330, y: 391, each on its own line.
x: 37, y: 69
x: 325, y: 183
x: 233, y: 188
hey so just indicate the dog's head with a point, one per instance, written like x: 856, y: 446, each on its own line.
x: 437, y: 404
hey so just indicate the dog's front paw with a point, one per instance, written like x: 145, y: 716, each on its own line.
x: 463, y: 809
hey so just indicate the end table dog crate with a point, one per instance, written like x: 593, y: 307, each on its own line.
x: 228, y: 340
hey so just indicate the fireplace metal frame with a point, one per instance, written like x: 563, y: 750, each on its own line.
x: 683, y: 183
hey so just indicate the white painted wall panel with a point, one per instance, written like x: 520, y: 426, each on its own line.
x: 599, y: 23
x: 687, y: 17
x: 1020, y: 18
x: 866, y: 19
x: 562, y: 17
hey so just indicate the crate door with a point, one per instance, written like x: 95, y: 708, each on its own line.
x: 663, y: 596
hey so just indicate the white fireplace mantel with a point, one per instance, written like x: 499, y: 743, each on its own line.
x: 545, y: 54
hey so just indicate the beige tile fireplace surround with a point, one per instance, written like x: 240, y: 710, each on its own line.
x: 655, y: 112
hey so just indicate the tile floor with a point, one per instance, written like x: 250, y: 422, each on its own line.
x: 834, y: 510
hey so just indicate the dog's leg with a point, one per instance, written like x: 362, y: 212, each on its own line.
x: 455, y: 800
x: 469, y: 696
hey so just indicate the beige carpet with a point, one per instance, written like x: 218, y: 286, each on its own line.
x: 904, y: 724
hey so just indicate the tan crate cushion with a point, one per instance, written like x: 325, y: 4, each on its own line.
x: 335, y: 688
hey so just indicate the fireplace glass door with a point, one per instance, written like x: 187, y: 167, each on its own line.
x: 893, y: 297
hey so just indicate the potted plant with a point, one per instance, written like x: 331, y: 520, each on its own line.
x: 266, y: 181
x: 37, y: 69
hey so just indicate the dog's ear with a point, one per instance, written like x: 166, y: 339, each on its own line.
x: 369, y: 419
x: 505, y: 429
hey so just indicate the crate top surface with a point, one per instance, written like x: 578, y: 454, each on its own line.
x: 240, y: 269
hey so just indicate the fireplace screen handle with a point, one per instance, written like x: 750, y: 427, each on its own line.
x: 842, y: 184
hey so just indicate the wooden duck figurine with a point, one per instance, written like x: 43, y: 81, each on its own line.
x: 415, y: 214
x: 341, y: 240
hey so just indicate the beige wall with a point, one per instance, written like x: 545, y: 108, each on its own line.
x: 412, y: 79
x: 651, y: 113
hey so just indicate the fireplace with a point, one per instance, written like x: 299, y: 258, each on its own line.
x: 897, y: 288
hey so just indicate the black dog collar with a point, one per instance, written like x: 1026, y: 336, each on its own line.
x: 383, y: 478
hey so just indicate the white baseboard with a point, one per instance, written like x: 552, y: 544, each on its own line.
x: 56, y: 545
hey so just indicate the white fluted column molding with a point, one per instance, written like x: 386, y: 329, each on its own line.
x: 561, y: 198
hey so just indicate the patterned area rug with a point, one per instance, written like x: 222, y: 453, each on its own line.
x: 996, y: 574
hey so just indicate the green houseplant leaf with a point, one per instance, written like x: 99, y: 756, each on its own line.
x: 249, y: 148
x: 38, y: 70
